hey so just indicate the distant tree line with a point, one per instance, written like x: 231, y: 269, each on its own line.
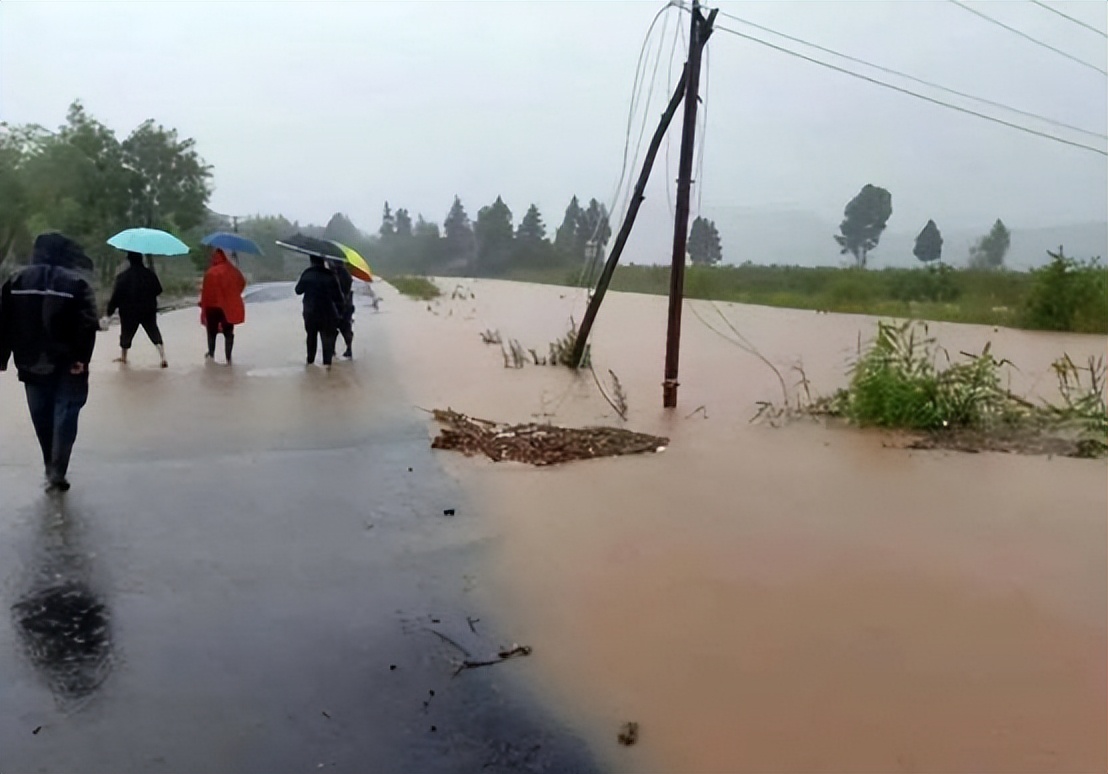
x: 867, y: 214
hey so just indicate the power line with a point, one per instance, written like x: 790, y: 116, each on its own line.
x: 1025, y: 36
x: 922, y: 81
x: 911, y: 93
x: 1078, y: 22
x: 703, y: 134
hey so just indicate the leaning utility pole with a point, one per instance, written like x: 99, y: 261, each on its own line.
x: 699, y: 32
x: 703, y: 29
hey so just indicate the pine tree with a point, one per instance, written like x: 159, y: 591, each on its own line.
x: 458, y: 233
x: 593, y: 226
x: 565, y: 238
x: 493, y: 233
x: 929, y: 244
x: 990, y: 249
x: 388, y: 223
x: 531, y: 228
x: 403, y: 223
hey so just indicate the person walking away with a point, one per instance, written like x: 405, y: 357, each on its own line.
x: 346, y: 318
x: 221, y: 306
x: 135, y: 296
x: 322, y: 308
x: 48, y: 326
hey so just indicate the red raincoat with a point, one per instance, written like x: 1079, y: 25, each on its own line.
x: 222, y: 289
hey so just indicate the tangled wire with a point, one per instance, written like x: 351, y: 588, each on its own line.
x: 538, y: 444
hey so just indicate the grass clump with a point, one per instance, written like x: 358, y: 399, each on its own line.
x: 905, y: 380
x: 419, y: 288
x: 898, y: 383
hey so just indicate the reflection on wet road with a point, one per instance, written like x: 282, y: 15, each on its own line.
x: 62, y: 622
x: 246, y: 574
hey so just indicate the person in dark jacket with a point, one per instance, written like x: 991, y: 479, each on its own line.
x: 135, y: 295
x: 346, y: 320
x: 322, y: 308
x: 48, y: 326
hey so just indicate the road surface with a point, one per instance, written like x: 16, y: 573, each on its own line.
x: 248, y: 574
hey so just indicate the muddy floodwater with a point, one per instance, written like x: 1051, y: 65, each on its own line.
x: 793, y: 599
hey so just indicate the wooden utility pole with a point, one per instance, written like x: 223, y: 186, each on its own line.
x: 699, y: 31
x: 637, y: 197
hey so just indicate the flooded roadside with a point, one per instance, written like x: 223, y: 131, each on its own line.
x: 793, y: 599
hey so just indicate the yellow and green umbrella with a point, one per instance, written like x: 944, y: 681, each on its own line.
x: 355, y: 262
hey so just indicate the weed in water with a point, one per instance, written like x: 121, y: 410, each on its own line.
x: 416, y: 287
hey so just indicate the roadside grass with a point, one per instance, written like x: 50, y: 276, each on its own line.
x: 419, y: 288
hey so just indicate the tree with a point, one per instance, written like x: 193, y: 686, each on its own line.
x: 167, y: 181
x: 565, y: 238
x: 704, y: 243
x: 864, y: 220
x: 83, y: 181
x: 929, y: 244
x: 493, y: 233
x: 458, y: 233
x: 426, y: 229
x: 990, y: 249
x: 403, y: 224
x: 388, y: 224
x: 341, y: 229
x: 593, y: 226
x: 531, y: 229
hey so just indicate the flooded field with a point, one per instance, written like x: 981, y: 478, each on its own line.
x: 794, y: 599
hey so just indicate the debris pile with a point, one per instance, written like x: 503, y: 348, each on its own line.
x: 538, y: 444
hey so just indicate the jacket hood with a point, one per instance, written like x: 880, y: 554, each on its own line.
x: 135, y: 259
x: 56, y: 249
x: 218, y: 257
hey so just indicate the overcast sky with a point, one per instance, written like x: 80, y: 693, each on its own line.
x: 310, y: 108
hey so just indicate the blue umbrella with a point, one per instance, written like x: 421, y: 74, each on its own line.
x: 149, y: 241
x: 225, y: 240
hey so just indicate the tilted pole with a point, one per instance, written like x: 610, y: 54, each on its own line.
x: 625, y: 230
x: 699, y: 32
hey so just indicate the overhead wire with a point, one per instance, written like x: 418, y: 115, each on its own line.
x: 915, y: 79
x: 1052, y: 9
x: 703, y: 133
x: 678, y: 36
x: 636, y: 92
x: 1025, y: 36
x: 911, y: 93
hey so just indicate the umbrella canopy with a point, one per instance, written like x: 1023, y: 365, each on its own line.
x: 234, y: 243
x: 150, y: 241
x: 356, y: 263
x: 306, y: 245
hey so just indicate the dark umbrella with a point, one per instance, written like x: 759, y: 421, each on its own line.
x: 235, y: 243
x: 306, y: 245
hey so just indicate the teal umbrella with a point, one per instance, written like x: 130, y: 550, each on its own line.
x: 149, y: 241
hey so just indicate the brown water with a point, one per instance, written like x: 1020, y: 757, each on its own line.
x: 800, y: 599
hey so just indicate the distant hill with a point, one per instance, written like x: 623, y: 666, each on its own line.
x: 801, y: 238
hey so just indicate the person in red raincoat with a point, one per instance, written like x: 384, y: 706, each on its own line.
x: 221, y: 306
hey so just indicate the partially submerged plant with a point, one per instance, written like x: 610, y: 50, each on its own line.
x: 561, y: 351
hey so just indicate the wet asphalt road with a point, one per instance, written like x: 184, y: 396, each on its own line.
x: 246, y: 578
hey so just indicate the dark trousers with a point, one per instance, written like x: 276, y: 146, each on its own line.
x: 217, y: 322
x: 55, y: 404
x: 128, y: 327
x: 346, y: 328
x: 326, y: 332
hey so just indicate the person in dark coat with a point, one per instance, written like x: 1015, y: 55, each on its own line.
x: 322, y: 308
x: 346, y: 320
x: 48, y: 326
x: 135, y: 295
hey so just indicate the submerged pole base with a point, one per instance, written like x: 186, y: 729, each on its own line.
x: 669, y: 393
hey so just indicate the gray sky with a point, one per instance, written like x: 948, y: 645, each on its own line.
x: 311, y: 108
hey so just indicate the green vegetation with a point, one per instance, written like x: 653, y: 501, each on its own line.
x: 906, y: 380
x: 416, y: 287
x: 1067, y: 295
